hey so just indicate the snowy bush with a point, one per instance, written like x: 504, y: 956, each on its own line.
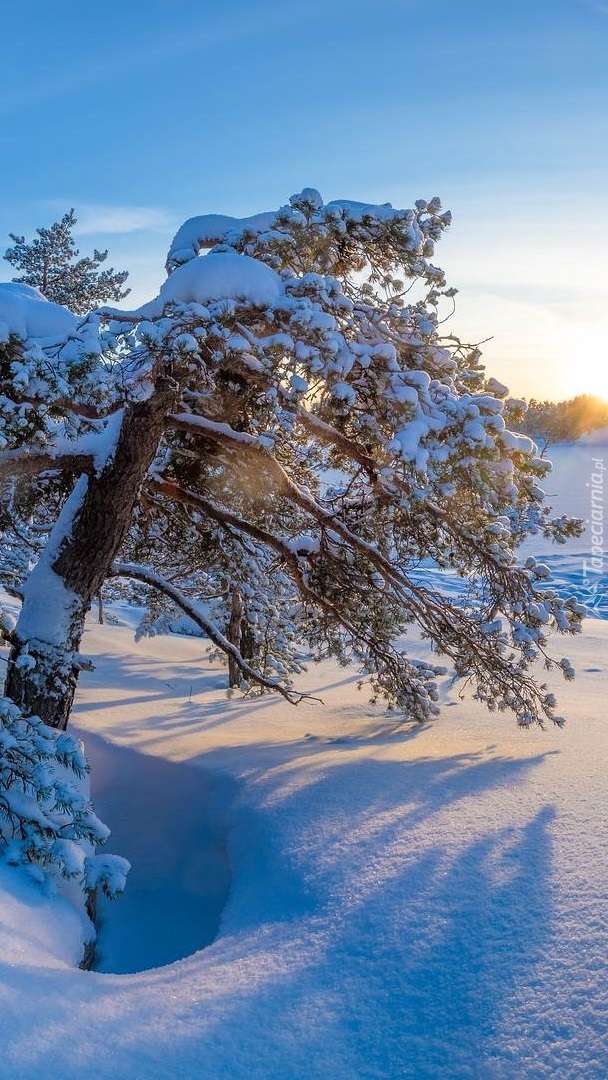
x: 46, y: 817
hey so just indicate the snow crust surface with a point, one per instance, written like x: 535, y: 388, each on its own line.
x: 403, y: 904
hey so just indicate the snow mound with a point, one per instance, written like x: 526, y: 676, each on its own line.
x: 218, y: 276
x: 26, y: 312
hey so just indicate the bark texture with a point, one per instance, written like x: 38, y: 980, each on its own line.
x: 42, y: 674
x: 240, y: 634
x: 233, y: 633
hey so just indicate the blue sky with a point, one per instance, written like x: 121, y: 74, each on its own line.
x: 140, y: 114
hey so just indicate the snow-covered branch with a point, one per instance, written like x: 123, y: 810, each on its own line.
x: 196, y: 613
x: 474, y: 649
x: 200, y: 425
x: 380, y: 655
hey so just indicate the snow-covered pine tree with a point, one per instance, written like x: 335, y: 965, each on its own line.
x: 47, y: 822
x: 295, y: 388
x: 50, y: 263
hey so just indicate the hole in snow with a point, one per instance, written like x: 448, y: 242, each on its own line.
x: 168, y: 820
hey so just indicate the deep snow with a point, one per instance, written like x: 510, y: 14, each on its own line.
x: 403, y: 903
x: 168, y: 819
x: 396, y: 901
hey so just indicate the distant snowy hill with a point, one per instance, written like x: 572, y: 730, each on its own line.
x: 599, y: 437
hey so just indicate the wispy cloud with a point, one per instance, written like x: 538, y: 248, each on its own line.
x: 96, y: 218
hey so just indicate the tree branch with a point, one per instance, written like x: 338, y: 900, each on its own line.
x: 193, y: 610
x: 454, y: 632
x: 383, y: 652
x: 30, y: 463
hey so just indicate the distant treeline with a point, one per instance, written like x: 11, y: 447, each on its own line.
x: 563, y: 421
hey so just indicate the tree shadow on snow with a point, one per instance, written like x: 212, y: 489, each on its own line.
x: 145, y: 682
x: 380, y: 922
x: 411, y: 913
x: 416, y: 934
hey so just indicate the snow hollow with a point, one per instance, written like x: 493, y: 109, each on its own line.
x: 167, y: 819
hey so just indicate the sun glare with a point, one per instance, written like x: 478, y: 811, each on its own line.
x: 585, y: 362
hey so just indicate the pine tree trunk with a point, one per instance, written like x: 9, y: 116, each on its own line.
x: 247, y: 638
x: 233, y: 633
x: 44, y: 663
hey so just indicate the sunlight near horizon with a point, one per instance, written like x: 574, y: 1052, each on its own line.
x: 536, y: 350
x: 586, y: 368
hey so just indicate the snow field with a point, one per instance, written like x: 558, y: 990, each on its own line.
x: 403, y: 902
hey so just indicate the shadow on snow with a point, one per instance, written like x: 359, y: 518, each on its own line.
x: 169, y: 821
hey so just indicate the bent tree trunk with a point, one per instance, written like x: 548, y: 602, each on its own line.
x: 44, y: 663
